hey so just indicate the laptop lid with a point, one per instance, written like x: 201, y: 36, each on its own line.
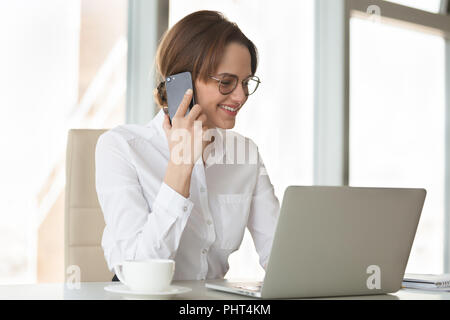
x: 337, y: 241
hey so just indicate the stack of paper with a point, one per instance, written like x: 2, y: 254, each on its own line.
x: 437, y: 282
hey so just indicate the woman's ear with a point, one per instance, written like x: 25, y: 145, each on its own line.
x: 157, y: 99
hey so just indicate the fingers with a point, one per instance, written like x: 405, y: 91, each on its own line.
x: 194, y: 113
x: 184, y: 104
x: 166, y: 124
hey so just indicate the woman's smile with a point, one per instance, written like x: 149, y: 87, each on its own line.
x: 229, y: 109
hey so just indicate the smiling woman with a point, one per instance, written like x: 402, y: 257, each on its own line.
x: 195, y: 214
x: 215, y: 63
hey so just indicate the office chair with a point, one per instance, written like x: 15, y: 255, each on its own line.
x: 83, y: 218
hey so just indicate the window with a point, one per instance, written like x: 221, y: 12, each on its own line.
x: 397, y: 123
x: 279, y: 116
x: 63, y: 66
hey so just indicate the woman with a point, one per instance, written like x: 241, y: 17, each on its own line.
x: 194, y: 212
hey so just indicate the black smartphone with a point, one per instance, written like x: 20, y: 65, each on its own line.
x: 176, y: 87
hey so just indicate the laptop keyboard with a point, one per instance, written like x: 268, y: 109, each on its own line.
x: 249, y: 286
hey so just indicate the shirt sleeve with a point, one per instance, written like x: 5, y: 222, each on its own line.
x: 263, y: 216
x: 133, y: 231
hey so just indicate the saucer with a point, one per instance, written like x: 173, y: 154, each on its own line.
x: 123, y: 289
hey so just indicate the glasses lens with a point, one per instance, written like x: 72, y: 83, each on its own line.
x: 227, y: 84
x: 250, y: 85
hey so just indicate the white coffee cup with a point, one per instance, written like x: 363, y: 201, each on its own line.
x: 153, y: 275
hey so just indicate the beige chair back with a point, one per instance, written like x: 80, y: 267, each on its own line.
x: 84, y: 222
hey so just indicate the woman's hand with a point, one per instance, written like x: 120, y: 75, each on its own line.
x: 185, y: 135
x: 185, y: 144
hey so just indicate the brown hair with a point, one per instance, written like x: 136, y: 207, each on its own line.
x: 196, y: 44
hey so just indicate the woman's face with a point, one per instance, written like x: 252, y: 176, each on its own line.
x: 236, y: 60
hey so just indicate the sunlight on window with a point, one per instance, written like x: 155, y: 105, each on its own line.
x: 397, y: 123
x: 39, y: 82
x: 279, y: 116
x: 56, y: 75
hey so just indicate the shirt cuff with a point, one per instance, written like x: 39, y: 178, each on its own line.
x: 173, y: 203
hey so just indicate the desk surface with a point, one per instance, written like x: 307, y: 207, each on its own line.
x: 95, y: 291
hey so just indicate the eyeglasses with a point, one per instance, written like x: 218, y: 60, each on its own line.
x: 228, y: 82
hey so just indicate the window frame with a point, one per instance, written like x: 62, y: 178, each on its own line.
x: 332, y: 85
x: 147, y: 22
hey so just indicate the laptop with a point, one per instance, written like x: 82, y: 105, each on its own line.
x: 337, y: 241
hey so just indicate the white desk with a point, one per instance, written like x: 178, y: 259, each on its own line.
x: 95, y: 291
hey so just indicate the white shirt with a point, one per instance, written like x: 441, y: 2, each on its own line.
x: 147, y: 219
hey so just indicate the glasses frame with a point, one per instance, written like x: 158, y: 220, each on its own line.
x: 255, y: 78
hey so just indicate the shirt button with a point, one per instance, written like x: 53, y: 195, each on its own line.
x: 185, y: 208
x: 209, y: 222
x: 202, y: 189
x: 204, y: 251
